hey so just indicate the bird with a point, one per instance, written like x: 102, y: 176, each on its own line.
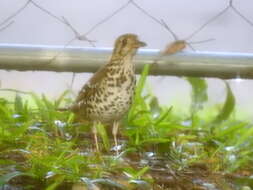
x: 108, y: 94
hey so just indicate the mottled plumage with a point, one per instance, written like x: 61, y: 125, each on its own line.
x: 107, y: 96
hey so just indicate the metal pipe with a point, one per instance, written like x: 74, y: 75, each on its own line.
x: 77, y: 59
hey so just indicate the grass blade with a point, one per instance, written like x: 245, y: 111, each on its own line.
x: 199, y: 93
x: 228, y: 106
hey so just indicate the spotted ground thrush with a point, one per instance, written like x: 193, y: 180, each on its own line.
x: 107, y: 96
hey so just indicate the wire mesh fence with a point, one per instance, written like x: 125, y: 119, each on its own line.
x: 143, y: 12
x: 203, y: 25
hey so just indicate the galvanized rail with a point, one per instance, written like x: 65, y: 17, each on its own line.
x: 76, y: 59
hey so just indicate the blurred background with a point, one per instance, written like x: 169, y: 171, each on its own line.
x: 39, y: 22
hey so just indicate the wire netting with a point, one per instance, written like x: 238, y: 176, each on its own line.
x: 215, y: 25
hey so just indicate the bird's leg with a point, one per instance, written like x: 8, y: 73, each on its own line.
x: 94, y: 131
x: 114, y: 133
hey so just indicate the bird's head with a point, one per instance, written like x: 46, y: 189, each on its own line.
x: 127, y: 44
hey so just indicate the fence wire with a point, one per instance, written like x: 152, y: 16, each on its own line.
x: 10, y: 20
x: 174, y: 46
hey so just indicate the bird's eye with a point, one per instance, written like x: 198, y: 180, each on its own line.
x: 124, y: 42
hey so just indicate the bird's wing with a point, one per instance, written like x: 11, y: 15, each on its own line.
x: 90, y: 87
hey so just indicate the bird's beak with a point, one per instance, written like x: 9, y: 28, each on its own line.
x: 141, y: 44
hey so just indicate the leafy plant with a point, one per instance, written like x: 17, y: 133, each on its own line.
x: 40, y: 143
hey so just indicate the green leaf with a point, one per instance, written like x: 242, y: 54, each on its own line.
x: 5, y: 113
x: 70, y: 118
x: 139, y: 115
x: 199, y: 93
x: 245, y: 136
x: 49, y: 105
x: 155, y: 109
x: 18, y: 105
x: 139, y: 104
x: 142, y: 80
x: 102, y: 132
x: 163, y: 116
x: 155, y: 141
x: 61, y: 98
x: 37, y: 101
x: 56, y: 183
x: 141, y: 172
x: 230, y: 130
x: 228, y: 106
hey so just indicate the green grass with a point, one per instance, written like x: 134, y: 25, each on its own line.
x: 46, y: 149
